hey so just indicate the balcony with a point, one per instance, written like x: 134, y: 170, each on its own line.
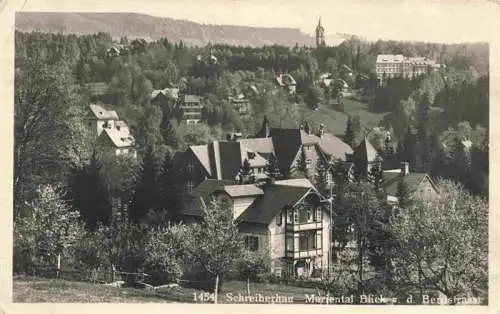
x: 304, y: 226
x: 304, y: 254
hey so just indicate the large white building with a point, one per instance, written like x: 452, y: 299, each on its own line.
x: 389, y: 66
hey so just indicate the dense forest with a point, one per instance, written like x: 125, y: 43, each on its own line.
x: 439, y: 122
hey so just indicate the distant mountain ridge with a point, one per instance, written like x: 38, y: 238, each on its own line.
x: 135, y: 25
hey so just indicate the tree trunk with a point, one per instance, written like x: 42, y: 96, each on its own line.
x: 248, y: 287
x: 216, y: 288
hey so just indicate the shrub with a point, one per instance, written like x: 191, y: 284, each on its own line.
x: 254, y: 266
x: 163, y: 253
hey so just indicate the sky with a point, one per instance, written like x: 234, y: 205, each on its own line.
x: 415, y: 20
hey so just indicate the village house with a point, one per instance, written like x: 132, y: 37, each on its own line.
x: 99, y: 119
x: 116, y: 50
x: 191, y: 107
x: 288, y: 219
x: 287, y: 82
x: 223, y: 160
x: 113, y: 135
x: 365, y: 156
x: 419, y: 184
x: 240, y: 104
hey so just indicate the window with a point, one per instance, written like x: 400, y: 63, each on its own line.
x: 190, y: 168
x: 252, y: 243
x: 279, y: 219
x: 308, y: 163
x: 310, y: 214
x: 289, y: 216
x: 318, y: 214
x: 307, y: 240
x: 295, y: 216
x: 189, y: 186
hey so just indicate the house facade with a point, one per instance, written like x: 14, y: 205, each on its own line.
x: 287, y: 219
x: 390, y: 66
x: 191, y: 107
x: 113, y: 135
x: 419, y: 184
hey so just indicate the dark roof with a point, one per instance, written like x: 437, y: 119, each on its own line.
x: 275, y: 198
x: 230, y: 159
x: 286, y: 144
x: 203, y: 190
x: 365, y: 151
x: 391, y: 180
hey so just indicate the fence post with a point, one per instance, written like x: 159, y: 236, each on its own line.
x: 58, y: 264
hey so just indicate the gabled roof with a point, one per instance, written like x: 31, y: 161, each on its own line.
x: 167, y: 92
x: 413, y: 180
x: 275, y: 198
x: 259, y: 145
x: 286, y: 144
x: 334, y: 146
x: 202, y: 192
x: 243, y: 190
x: 120, y: 138
x: 223, y: 159
x: 365, y: 151
x: 102, y: 114
x: 201, y: 153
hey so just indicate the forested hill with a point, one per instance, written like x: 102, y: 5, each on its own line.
x: 135, y: 25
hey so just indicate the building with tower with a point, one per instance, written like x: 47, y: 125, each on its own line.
x: 320, y: 34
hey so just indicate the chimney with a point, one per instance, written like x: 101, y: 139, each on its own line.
x: 321, y: 130
x: 405, y: 168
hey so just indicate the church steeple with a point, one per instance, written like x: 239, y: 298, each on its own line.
x: 320, y: 34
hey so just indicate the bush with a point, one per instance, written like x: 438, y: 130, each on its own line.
x: 163, y: 253
x: 254, y: 266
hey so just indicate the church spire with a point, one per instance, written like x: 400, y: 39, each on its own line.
x: 320, y: 34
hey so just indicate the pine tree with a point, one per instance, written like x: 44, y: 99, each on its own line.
x: 146, y: 195
x: 321, y: 179
x: 403, y: 194
x: 90, y: 194
x: 272, y: 168
x: 375, y: 176
x: 349, y: 132
x: 170, y: 191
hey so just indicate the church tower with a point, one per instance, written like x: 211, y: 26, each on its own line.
x: 320, y: 34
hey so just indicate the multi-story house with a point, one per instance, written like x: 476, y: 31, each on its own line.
x: 240, y: 104
x: 113, y: 135
x: 296, y: 152
x: 99, y: 119
x: 220, y: 160
x: 117, y: 141
x: 166, y: 96
x: 390, y: 66
x: 191, y: 107
x: 288, y: 219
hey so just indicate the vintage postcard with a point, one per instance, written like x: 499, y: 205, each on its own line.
x: 324, y: 155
